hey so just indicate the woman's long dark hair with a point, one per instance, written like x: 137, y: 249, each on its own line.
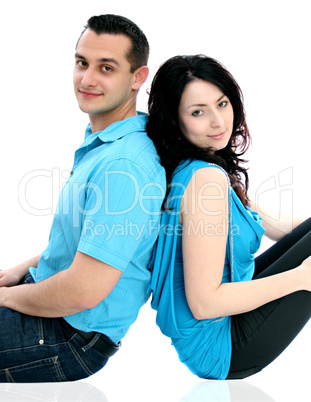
x: 163, y: 126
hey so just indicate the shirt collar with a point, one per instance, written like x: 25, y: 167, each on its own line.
x: 120, y: 128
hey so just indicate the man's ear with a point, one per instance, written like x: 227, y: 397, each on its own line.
x: 140, y: 76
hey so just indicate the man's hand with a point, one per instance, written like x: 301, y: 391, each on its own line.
x: 82, y: 286
x: 9, y: 277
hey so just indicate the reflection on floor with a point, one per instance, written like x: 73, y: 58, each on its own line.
x: 147, y: 370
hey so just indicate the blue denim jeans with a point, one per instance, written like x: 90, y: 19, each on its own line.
x: 35, y: 349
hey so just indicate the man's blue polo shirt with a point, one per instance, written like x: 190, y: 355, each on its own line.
x: 110, y: 209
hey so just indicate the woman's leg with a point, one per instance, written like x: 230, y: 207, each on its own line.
x: 275, y: 252
x: 261, y: 335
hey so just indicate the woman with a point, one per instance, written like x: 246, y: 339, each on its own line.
x: 228, y: 314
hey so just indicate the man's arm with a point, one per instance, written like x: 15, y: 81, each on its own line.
x: 12, y: 276
x: 82, y: 286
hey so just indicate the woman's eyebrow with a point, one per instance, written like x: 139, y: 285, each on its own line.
x: 197, y: 105
x: 204, y: 104
x: 222, y: 96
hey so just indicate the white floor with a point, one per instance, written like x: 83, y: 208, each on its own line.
x: 266, y: 46
x: 147, y: 369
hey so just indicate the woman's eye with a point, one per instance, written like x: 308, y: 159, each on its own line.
x: 223, y: 104
x: 197, y: 113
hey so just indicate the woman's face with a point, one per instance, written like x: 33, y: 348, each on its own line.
x: 205, y: 115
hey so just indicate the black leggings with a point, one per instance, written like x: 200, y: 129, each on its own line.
x: 259, y: 336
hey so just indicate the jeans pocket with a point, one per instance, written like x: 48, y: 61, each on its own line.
x: 89, y: 359
x: 27, y: 279
x: 44, y: 370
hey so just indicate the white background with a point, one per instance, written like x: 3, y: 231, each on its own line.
x: 266, y: 46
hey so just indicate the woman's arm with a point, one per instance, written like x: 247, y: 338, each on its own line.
x: 276, y: 227
x: 204, y: 216
x: 12, y: 276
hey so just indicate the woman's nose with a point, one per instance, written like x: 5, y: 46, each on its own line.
x: 217, y: 120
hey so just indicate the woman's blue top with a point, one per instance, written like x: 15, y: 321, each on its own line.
x: 203, y: 345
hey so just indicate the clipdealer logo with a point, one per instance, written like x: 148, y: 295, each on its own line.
x: 51, y: 183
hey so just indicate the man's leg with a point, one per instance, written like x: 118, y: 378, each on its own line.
x: 35, y: 349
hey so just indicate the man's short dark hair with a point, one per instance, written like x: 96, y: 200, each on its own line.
x: 118, y: 25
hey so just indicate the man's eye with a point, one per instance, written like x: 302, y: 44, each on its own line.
x: 81, y: 63
x: 107, y: 69
x: 197, y: 113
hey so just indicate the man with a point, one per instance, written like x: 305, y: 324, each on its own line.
x: 69, y: 308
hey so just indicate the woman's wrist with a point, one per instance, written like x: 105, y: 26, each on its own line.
x: 302, y: 277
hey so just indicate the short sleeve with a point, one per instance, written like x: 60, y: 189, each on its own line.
x: 120, y: 204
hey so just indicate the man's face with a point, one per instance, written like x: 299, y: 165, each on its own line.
x: 103, y: 82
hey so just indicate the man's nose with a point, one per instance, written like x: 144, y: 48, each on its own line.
x: 89, y: 78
